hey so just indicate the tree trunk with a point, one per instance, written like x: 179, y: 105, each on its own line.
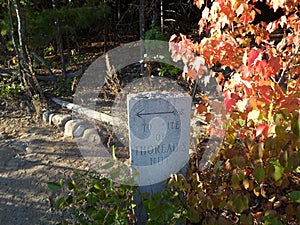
x: 105, y: 32
x: 161, y: 16
x: 60, y: 46
x: 142, y: 32
x: 142, y: 19
x: 61, y: 49
x: 17, y: 52
x: 3, y: 46
x: 29, y: 78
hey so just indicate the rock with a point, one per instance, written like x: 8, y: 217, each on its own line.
x: 80, y: 130
x: 60, y: 119
x: 45, y: 116
x: 91, y: 136
x: 71, y: 126
x: 29, y: 149
x: 50, y: 118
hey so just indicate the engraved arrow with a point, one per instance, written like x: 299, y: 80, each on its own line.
x: 140, y: 114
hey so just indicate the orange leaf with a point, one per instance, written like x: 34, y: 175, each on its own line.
x: 208, y: 117
x: 201, y: 108
x: 199, y: 3
x: 204, y: 99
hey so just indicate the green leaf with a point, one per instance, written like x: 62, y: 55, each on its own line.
x: 69, y: 199
x: 71, y: 185
x: 115, y: 173
x: 80, y: 197
x: 194, y: 215
x: 241, y: 204
x: 235, y: 179
x: 61, y: 203
x: 278, y: 170
x: 272, y: 221
x: 100, y: 215
x: 113, y: 152
x: 270, y: 213
x: 246, y: 219
x: 294, y: 196
x: 98, y: 186
x: 53, y: 186
x: 107, y: 165
x: 240, y: 122
x: 259, y: 173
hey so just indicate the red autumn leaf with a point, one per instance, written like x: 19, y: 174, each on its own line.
x: 274, y: 65
x: 229, y: 103
x: 291, y: 103
x: 247, y: 87
x: 253, y: 55
x: 247, y: 71
x: 265, y: 92
x: 257, y: 214
x: 262, y: 129
x: 235, y: 97
x: 261, y: 67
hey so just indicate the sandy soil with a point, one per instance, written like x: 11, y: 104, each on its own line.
x: 32, y: 154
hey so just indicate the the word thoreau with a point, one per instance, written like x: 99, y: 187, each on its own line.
x: 159, y: 149
x: 156, y: 154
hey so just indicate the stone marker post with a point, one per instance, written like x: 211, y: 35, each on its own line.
x: 159, y: 139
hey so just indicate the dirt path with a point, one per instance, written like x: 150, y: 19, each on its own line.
x: 32, y: 154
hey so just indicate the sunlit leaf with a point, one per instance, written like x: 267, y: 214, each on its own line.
x: 246, y: 184
x: 262, y: 129
x: 253, y: 115
x: 278, y: 170
x: 98, y: 186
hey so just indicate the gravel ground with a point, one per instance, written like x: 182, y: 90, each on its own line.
x: 32, y: 154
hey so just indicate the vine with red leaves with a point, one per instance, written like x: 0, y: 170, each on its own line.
x: 261, y: 147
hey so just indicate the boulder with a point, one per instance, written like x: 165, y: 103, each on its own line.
x: 60, y: 119
x: 91, y: 136
x: 50, y: 118
x: 71, y: 126
x: 78, y: 132
x: 45, y: 116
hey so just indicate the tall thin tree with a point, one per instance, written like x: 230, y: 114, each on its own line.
x: 60, y: 44
x: 26, y: 69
